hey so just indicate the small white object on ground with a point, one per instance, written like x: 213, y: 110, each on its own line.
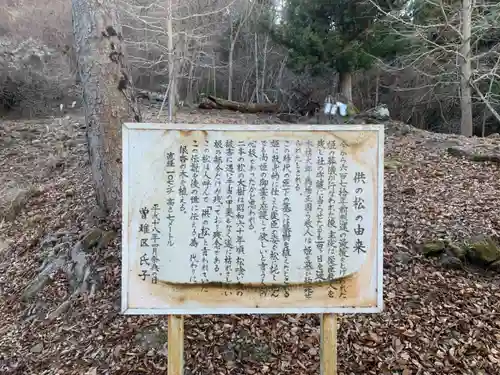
x: 342, y: 109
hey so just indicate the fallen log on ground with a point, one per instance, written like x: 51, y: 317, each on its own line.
x: 219, y: 103
x: 474, y: 155
x: 208, y: 104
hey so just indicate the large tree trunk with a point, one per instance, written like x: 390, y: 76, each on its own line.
x: 108, y: 92
x: 466, y: 125
x: 345, y: 85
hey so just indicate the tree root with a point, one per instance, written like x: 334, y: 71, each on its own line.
x: 74, y: 261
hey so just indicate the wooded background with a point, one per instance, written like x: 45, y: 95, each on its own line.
x: 414, y: 56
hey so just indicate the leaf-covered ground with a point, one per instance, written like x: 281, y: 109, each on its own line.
x: 435, y: 321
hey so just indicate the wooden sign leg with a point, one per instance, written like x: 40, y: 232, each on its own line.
x: 175, y: 345
x: 328, y: 345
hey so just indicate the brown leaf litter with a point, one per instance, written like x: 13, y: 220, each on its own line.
x: 435, y: 320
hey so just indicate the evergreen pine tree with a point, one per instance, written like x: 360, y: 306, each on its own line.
x: 339, y: 35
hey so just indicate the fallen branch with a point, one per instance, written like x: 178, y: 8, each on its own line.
x: 474, y: 156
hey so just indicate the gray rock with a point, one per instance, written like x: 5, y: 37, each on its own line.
x: 433, y: 248
x: 483, y: 250
x: 381, y: 112
x: 450, y: 262
x: 495, y: 266
x: 37, y: 348
x: 405, y: 129
x: 97, y: 215
x: 4, y: 245
x: 151, y: 338
x: 402, y: 258
x: 92, y: 238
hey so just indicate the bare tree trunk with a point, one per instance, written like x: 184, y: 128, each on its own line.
x: 190, y: 84
x: 232, y: 42
x: 264, y: 63
x: 214, y: 75
x: 377, y: 87
x: 345, y: 85
x: 279, y: 80
x: 108, y: 92
x: 256, y: 61
x: 466, y: 126
x: 233, y: 39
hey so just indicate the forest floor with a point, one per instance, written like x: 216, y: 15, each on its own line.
x: 435, y: 320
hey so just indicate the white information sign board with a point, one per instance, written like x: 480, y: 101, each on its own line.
x: 252, y: 218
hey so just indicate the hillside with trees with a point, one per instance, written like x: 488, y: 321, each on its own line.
x: 413, y: 56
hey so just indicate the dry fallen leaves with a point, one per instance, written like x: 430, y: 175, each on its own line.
x: 435, y: 321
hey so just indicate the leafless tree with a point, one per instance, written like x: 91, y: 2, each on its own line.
x: 176, y: 40
x: 219, y: 47
x: 234, y: 33
x: 447, y: 54
x: 466, y: 125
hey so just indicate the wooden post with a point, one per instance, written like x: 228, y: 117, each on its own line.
x: 328, y: 345
x: 175, y: 345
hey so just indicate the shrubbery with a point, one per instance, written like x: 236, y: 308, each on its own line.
x: 33, y: 78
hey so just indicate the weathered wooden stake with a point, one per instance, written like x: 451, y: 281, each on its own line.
x: 175, y: 345
x: 328, y: 345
